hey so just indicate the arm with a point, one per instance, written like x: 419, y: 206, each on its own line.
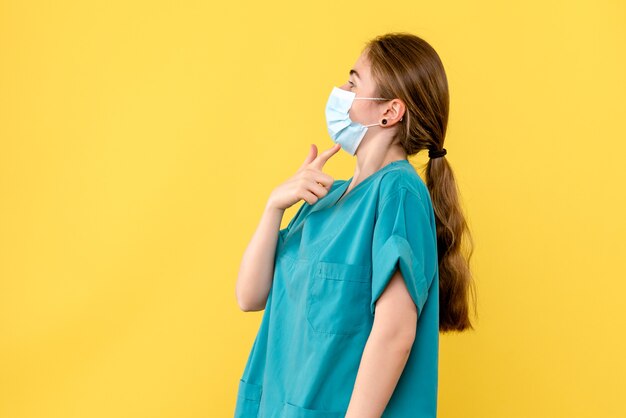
x: 256, y: 271
x: 386, y: 351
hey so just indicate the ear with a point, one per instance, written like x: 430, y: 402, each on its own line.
x: 395, y: 111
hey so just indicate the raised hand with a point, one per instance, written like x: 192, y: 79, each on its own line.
x: 308, y: 183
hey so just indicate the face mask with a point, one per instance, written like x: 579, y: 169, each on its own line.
x: 341, y: 128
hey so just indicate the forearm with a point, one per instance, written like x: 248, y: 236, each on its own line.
x: 382, y: 363
x: 256, y: 271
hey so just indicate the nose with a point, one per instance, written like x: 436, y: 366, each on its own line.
x: 345, y: 86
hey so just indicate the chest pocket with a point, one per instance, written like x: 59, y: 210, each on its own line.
x: 338, y: 298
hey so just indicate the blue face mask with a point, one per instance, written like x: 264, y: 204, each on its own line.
x: 341, y: 128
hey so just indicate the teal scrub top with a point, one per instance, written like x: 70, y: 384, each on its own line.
x: 332, y: 263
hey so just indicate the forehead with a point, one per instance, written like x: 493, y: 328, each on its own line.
x: 362, y: 66
x: 362, y: 60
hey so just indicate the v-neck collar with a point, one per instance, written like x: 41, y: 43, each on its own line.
x: 335, y: 197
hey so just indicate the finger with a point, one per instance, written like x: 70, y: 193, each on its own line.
x: 324, y: 156
x: 310, y: 157
x: 309, y: 197
x: 318, y: 189
x: 323, y: 179
x: 311, y: 191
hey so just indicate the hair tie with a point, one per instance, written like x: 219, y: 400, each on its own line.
x: 437, y: 153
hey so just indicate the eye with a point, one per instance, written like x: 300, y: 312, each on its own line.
x: 351, y: 83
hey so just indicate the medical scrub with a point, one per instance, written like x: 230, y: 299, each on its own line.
x: 332, y: 263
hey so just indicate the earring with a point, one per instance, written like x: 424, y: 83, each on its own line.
x: 384, y: 121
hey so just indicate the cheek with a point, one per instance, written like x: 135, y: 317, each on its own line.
x: 354, y: 114
x: 359, y: 110
x: 356, y: 109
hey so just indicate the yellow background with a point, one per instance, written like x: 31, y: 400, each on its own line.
x: 140, y: 141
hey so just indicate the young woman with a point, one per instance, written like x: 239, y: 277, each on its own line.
x: 358, y: 286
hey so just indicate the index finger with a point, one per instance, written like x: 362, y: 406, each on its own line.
x: 323, y: 157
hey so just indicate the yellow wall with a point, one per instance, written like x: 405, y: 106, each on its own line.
x: 140, y: 140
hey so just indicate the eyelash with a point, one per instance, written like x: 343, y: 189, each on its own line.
x: 351, y: 83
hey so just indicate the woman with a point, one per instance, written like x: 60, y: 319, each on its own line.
x: 357, y: 287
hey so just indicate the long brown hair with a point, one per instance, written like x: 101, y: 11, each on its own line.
x: 407, y: 67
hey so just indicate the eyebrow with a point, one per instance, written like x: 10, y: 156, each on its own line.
x: 353, y: 71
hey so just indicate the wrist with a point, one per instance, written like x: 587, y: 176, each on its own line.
x: 270, y: 207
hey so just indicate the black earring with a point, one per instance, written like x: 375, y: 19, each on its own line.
x: 384, y: 121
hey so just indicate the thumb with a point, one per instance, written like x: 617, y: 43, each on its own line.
x: 311, y: 156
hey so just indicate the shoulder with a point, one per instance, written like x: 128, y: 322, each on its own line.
x: 400, y: 181
x: 404, y: 199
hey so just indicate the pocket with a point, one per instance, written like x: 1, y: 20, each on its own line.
x: 338, y: 298
x: 248, y: 400
x: 293, y: 411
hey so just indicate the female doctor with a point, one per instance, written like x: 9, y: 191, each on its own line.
x: 358, y: 286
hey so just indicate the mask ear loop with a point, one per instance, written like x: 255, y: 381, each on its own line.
x: 370, y: 98
x: 374, y: 98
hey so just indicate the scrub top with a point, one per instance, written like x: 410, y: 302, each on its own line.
x: 332, y: 263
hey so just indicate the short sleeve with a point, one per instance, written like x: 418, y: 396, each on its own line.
x: 403, y: 238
